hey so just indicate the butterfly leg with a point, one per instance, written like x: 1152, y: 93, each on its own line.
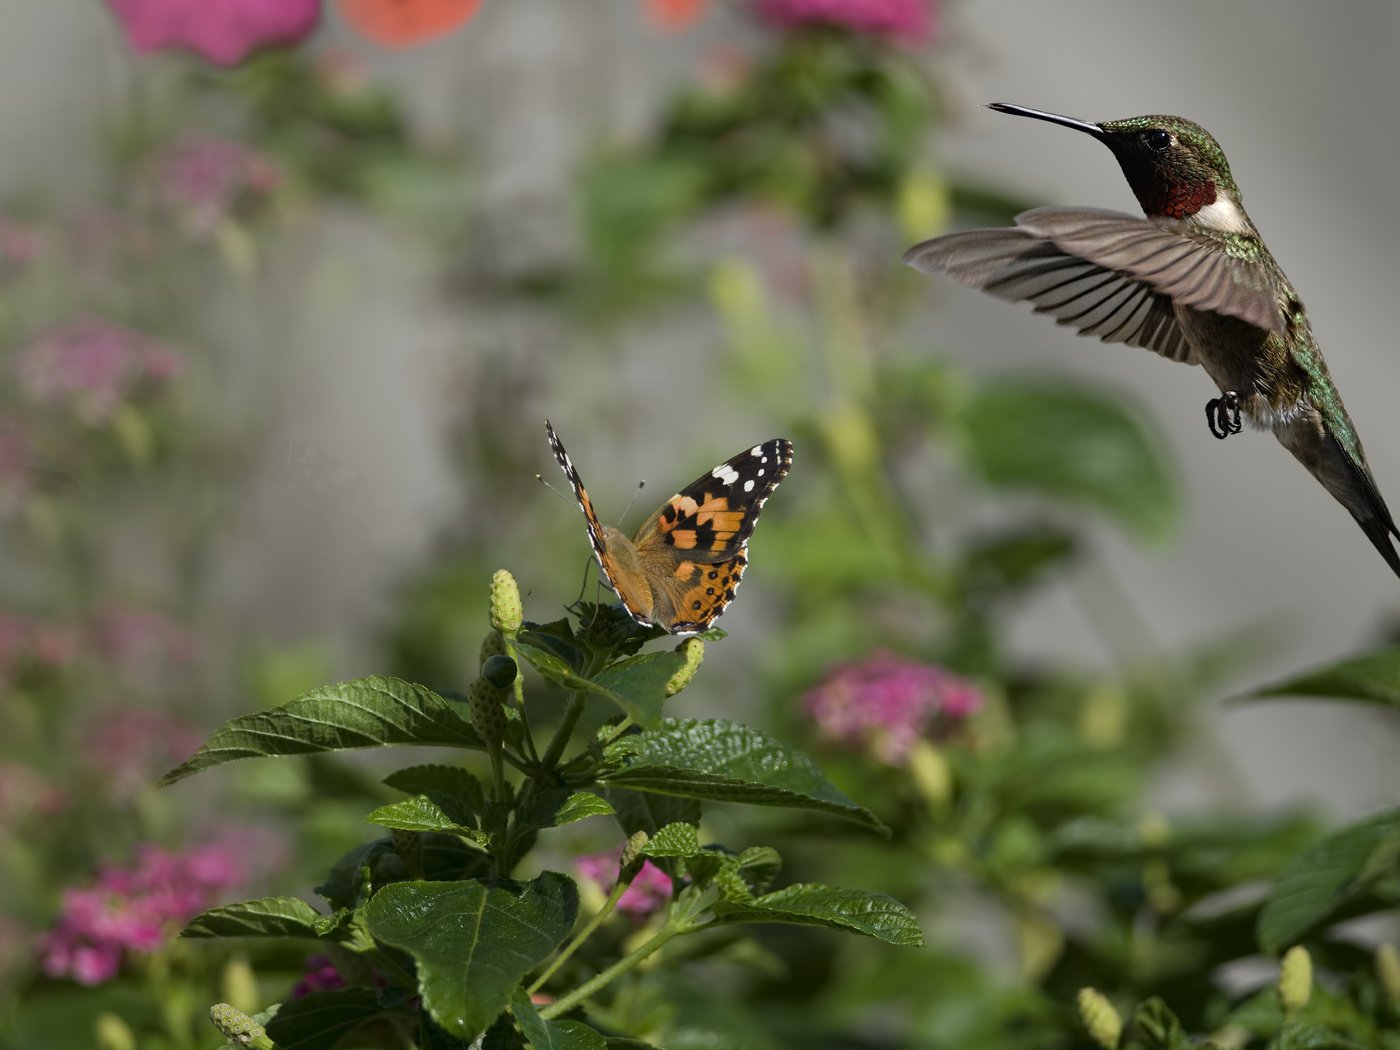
x: 1223, y: 415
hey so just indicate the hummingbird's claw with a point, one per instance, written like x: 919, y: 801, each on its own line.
x: 1223, y: 415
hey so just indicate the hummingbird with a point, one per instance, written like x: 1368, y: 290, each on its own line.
x: 1191, y: 281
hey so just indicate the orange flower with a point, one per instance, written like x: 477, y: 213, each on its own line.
x: 406, y: 23
x: 674, y: 16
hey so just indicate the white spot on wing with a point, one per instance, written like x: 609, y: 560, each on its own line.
x: 725, y: 473
x: 748, y: 485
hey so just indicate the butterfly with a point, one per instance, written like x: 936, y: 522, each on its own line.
x: 680, y: 570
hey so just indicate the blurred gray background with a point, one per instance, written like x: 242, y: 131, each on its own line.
x: 1301, y: 95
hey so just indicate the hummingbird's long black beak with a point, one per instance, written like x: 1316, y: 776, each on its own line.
x: 1053, y: 118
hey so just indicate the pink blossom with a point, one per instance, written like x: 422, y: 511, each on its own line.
x: 127, y: 637
x: 132, y: 910
x: 26, y: 793
x: 92, y: 364
x: 909, y: 21
x: 321, y: 975
x: 14, y: 470
x: 205, y: 179
x: 223, y: 31
x: 887, y: 702
x: 133, y: 746
x: 650, y: 890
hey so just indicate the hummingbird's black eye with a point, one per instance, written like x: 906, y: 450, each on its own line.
x: 1157, y: 139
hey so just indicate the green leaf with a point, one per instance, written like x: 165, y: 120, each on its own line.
x: 435, y: 778
x: 1154, y: 1021
x: 725, y: 762
x: 1073, y: 443
x: 572, y: 806
x: 674, y: 840
x: 317, y: 1021
x: 473, y: 941
x: 1305, y: 1035
x: 873, y: 914
x: 267, y: 917
x: 1326, y: 877
x: 1372, y: 677
x: 424, y: 814
x: 367, y: 712
x: 553, y: 1035
x: 638, y: 811
x: 637, y: 684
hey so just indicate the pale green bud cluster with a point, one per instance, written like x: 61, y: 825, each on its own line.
x: 484, y: 700
x: 1295, y: 979
x: 238, y: 1027
x: 693, y: 649
x: 507, y: 610
x: 1100, y: 1019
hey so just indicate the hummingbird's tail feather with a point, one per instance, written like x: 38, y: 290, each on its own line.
x: 1357, y: 492
x: 1379, y: 533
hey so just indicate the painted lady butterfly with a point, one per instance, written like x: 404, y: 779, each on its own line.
x: 681, y: 569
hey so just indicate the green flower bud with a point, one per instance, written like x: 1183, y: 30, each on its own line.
x: 500, y: 671
x: 112, y: 1033
x: 693, y: 649
x: 632, y: 852
x: 238, y: 1027
x: 492, y: 645
x: 507, y: 612
x: 1100, y: 1019
x: 1388, y: 971
x: 1295, y: 980
x: 484, y: 706
x: 240, y: 984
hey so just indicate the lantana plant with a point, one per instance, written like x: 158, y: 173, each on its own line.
x: 448, y: 929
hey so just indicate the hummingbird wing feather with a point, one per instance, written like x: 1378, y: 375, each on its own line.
x: 1015, y: 264
x: 1195, y: 267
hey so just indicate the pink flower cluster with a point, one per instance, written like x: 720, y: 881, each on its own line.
x: 204, y: 179
x: 223, y: 31
x: 133, y: 747
x: 909, y: 21
x: 94, y: 365
x: 650, y: 890
x: 887, y: 702
x: 321, y: 975
x: 129, y: 911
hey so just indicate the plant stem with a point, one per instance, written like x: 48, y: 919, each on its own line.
x: 572, y: 713
x: 583, y: 934
x: 617, y: 969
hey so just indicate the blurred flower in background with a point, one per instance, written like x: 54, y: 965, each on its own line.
x: 223, y: 31
x: 131, y: 911
x: 406, y: 23
x: 909, y: 21
x: 94, y: 366
x: 133, y: 747
x: 204, y: 180
x: 888, y: 702
x: 674, y: 16
x: 322, y: 975
x: 650, y: 890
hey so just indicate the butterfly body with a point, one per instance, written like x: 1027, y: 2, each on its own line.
x: 681, y: 569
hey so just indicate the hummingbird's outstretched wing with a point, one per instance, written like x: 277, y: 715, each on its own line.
x: 1107, y: 274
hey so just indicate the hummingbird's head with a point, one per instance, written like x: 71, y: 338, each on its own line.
x: 1175, y: 167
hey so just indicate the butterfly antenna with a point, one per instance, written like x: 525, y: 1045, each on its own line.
x: 627, y: 509
x: 564, y: 496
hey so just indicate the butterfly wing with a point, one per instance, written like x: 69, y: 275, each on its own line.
x: 615, y: 553
x: 693, y: 550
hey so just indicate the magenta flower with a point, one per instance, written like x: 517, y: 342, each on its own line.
x: 130, y: 911
x: 909, y: 21
x: 650, y: 890
x: 223, y: 31
x: 321, y: 976
x: 204, y: 179
x: 887, y: 702
x: 93, y: 365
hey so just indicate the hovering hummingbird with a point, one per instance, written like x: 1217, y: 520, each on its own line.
x: 1193, y: 282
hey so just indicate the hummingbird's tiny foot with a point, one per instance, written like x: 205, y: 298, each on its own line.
x: 1223, y: 415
